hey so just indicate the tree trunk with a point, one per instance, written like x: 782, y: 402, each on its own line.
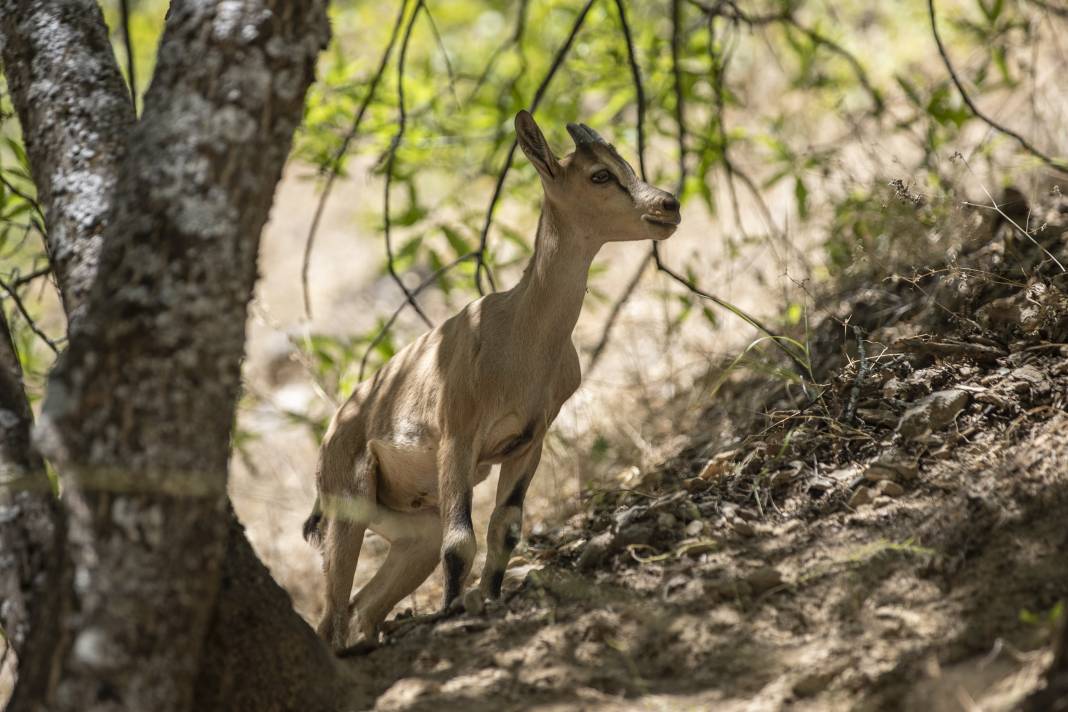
x: 139, y: 409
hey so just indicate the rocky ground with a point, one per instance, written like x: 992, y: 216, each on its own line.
x: 890, y: 536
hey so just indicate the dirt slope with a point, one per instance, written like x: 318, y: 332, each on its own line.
x: 892, y: 540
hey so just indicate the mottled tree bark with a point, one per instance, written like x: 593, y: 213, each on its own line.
x: 31, y: 536
x: 139, y: 409
x: 70, y: 96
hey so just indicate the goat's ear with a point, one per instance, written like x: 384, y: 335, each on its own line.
x: 534, y: 145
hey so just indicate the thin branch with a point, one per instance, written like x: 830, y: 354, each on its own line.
x: 396, y: 313
x: 402, y: 121
x: 335, y: 165
x: 1056, y: 164
x: 18, y: 280
x: 127, y: 39
x: 11, y: 292
x: 617, y: 309
x: 802, y: 367
x: 862, y: 373
x: 515, y: 39
x: 15, y: 190
x: 639, y: 89
x: 680, y: 107
x: 444, y: 53
x: 558, y: 60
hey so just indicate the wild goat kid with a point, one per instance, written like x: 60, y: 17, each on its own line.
x: 404, y: 452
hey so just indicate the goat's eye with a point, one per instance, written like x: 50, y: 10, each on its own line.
x: 601, y: 177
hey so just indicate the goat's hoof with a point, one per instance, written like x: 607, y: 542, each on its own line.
x: 473, y: 602
x: 453, y: 607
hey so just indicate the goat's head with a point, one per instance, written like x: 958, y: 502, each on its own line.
x: 596, y: 190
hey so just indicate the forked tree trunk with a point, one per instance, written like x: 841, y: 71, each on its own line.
x: 164, y: 601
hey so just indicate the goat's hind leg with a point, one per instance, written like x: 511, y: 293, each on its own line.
x: 412, y: 557
x: 346, y: 520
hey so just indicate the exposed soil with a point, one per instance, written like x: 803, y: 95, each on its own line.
x: 892, y: 539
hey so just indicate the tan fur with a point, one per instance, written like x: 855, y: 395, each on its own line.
x: 402, y: 455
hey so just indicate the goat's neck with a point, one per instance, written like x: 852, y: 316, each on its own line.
x: 549, y: 296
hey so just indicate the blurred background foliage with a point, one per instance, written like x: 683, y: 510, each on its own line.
x: 782, y: 121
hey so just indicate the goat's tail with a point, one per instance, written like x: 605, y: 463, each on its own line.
x: 313, y: 525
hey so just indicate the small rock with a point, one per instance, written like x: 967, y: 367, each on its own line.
x: 718, y: 466
x: 666, y: 520
x: 890, y: 488
x: 595, y: 551
x: 695, y: 485
x: 812, y: 683
x: 862, y: 496
x: 474, y: 604
x: 572, y: 546
x: 636, y: 534
x: 764, y: 579
x: 1029, y: 374
x: 932, y: 413
x: 695, y: 527
x: 891, y: 467
x: 628, y: 516
x: 741, y: 526
x: 698, y: 547
x: 894, y: 388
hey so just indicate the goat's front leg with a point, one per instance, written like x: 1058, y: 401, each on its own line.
x: 456, y: 469
x: 506, y: 523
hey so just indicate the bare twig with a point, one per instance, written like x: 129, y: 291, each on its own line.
x: 558, y: 60
x: 14, y: 189
x: 639, y: 89
x: 335, y: 165
x: 18, y: 280
x: 444, y: 53
x: 515, y: 39
x: 402, y: 120
x: 397, y: 312
x: 1054, y: 163
x: 680, y: 107
x: 124, y: 12
x: 11, y: 292
x: 862, y: 373
x: 617, y: 308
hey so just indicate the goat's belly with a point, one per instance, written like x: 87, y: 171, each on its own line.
x: 407, y: 476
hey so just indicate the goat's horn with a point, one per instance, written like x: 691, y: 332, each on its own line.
x: 583, y: 134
